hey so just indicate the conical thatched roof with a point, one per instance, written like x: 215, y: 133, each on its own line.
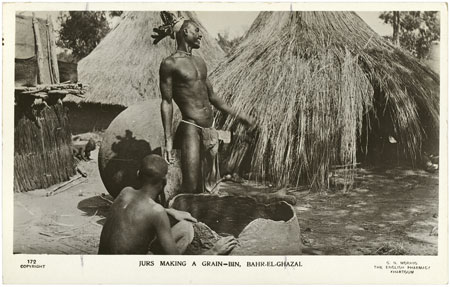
x: 123, y: 68
x: 317, y: 83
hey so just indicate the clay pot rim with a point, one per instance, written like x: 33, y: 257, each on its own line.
x: 293, y: 217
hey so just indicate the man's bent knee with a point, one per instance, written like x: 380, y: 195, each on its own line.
x: 183, y: 233
x: 183, y: 229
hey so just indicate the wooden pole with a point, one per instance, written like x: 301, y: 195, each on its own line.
x: 396, y: 28
x: 54, y: 56
x: 49, y: 56
x: 39, y: 52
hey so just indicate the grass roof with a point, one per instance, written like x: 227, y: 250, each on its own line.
x: 124, y: 68
x: 315, y: 81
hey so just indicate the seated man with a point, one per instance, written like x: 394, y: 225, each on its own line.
x: 135, y: 219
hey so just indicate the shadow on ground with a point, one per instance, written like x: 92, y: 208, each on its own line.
x: 96, y: 206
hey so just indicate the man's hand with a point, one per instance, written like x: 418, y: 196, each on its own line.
x: 222, y: 106
x: 181, y: 215
x: 169, y: 156
x: 248, y: 121
x: 224, y: 245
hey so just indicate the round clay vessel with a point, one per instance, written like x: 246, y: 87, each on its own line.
x: 133, y: 134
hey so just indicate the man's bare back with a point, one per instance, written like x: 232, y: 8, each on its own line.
x: 130, y: 228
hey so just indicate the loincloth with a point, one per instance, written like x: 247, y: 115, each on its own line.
x: 209, y: 140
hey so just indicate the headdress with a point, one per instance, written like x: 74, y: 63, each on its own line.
x: 171, y: 25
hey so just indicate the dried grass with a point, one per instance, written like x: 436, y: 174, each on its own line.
x: 391, y: 248
x: 313, y: 81
x: 42, y: 147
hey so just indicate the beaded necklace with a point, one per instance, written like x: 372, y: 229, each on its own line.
x: 184, y: 52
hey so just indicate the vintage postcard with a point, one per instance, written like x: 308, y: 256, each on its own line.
x: 225, y: 143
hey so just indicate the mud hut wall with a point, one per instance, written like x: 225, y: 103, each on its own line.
x: 86, y: 117
x: 42, y: 147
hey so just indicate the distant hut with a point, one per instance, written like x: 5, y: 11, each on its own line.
x: 67, y: 65
x: 68, y: 71
x: 326, y: 91
x: 433, y: 58
x: 124, y: 69
x: 42, y: 141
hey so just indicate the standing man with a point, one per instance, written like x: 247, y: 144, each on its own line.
x: 183, y: 79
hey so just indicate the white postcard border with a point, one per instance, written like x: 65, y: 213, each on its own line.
x: 96, y: 269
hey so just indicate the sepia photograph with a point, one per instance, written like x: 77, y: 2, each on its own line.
x: 232, y: 133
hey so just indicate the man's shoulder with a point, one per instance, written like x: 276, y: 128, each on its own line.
x: 146, y: 207
x: 126, y: 196
x: 149, y: 207
x: 126, y: 191
x: 168, y: 64
x: 156, y: 213
x: 157, y: 209
x: 169, y: 61
x: 128, y: 188
x: 175, y: 57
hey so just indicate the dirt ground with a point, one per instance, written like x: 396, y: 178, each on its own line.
x: 392, y: 211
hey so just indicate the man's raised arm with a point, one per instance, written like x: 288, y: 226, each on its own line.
x: 222, y: 106
x: 165, y: 84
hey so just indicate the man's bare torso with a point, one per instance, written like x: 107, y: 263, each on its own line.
x: 190, y: 90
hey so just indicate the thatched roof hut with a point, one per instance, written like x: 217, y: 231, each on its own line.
x: 123, y: 68
x: 42, y: 138
x: 319, y: 84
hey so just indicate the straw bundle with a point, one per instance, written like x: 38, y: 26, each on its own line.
x: 315, y: 82
x: 42, y: 147
x: 123, y: 68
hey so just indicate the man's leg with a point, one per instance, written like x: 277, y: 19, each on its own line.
x: 209, y: 157
x: 183, y: 233
x: 190, y: 159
